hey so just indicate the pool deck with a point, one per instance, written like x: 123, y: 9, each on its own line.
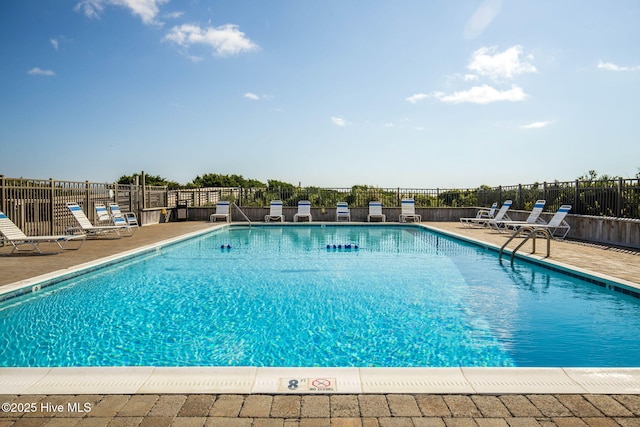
x: 324, y: 396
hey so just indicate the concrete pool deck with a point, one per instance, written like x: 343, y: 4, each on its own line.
x: 323, y: 396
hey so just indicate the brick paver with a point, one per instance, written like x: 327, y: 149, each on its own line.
x: 375, y: 410
x: 374, y: 405
x: 344, y: 406
x: 256, y: 406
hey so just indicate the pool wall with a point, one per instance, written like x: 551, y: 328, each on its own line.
x: 624, y: 232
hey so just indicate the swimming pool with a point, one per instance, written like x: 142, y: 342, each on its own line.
x: 284, y: 296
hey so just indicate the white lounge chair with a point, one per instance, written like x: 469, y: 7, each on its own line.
x: 409, y: 211
x: 375, y: 211
x: 89, y: 229
x: 275, y: 212
x: 129, y: 217
x: 103, y: 217
x: 482, y: 218
x: 304, y: 211
x: 486, y: 213
x: 222, y: 211
x: 557, y: 222
x: 533, y: 218
x: 343, y: 212
x: 17, y: 238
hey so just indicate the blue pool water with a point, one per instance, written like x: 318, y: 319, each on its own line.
x: 278, y: 296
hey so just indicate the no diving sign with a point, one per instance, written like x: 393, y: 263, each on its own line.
x: 317, y: 385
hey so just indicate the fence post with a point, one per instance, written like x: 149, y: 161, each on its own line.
x: 544, y: 191
x: 576, y: 197
x: 144, y: 190
x: 87, y: 197
x: 619, y: 201
x: 3, y: 192
x: 52, y: 209
x: 520, y: 203
x: 500, y: 194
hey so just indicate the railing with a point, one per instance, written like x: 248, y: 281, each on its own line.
x: 531, y: 232
x: 614, y: 197
x: 38, y: 207
x: 243, y: 214
x: 357, y: 196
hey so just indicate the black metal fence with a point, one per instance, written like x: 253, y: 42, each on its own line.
x: 357, y: 196
x: 38, y: 206
x: 616, y: 198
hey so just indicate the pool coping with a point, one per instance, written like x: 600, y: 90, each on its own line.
x: 254, y: 380
x: 310, y: 380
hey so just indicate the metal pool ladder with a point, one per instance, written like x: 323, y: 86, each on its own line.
x: 243, y: 214
x: 533, y: 232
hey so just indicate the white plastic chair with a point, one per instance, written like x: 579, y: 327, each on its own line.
x: 17, y: 238
x: 409, y: 211
x: 480, y: 219
x: 375, y: 211
x: 89, y: 229
x: 304, y: 211
x: 222, y: 211
x: 275, y: 212
x: 343, y: 212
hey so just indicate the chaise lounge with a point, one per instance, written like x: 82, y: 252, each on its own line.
x: 409, y: 211
x: 275, y: 212
x: 93, y: 230
x: 16, y: 237
x: 304, y: 211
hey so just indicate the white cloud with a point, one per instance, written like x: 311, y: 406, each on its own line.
x: 54, y: 43
x: 613, y: 67
x: 251, y: 96
x: 499, y: 65
x: 483, y: 95
x: 481, y: 18
x: 147, y: 10
x: 225, y: 40
x: 417, y: 97
x: 37, y: 71
x: 173, y: 15
x: 537, y: 125
x: 338, y: 121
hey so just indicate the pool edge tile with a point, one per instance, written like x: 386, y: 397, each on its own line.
x: 273, y: 380
x: 20, y: 380
x: 414, y: 380
x: 520, y: 380
x: 200, y: 380
x: 606, y: 380
x: 92, y: 380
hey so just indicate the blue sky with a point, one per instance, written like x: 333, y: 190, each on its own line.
x: 331, y: 93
